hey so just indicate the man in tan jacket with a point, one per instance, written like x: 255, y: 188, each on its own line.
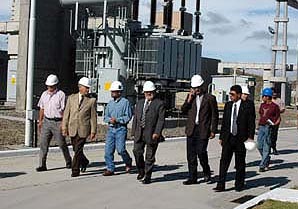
x: 80, y: 122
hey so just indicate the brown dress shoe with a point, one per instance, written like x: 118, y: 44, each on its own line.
x: 108, y: 173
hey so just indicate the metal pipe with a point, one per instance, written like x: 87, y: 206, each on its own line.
x: 168, y: 13
x: 182, y: 16
x: 76, y: 16
x: 30, y: 74
x: 71, y: 2
x: 153, y: 13
x: 135, y: 10
x: 104, y: 18
x: 197, y: 33
x: 296, y: 102
x: 70, y: 21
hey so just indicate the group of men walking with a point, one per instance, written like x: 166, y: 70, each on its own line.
x: 77, y: 119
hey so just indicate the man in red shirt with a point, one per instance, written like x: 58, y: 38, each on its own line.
x: 269, y: 117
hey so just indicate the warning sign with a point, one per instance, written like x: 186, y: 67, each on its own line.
x: 107, y: 86
x: 13, y: 80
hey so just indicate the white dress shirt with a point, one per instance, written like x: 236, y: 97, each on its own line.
x: 198, y: 101
x: 238, y: 103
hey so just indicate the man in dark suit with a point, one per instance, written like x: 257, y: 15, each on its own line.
x: 148, y: 123
x: 201, y: 126
x: 238, y: 126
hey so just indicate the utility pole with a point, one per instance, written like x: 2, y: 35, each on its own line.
x: 283, y: 48
x: 30, y: 75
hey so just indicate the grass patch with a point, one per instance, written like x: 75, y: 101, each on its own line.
x: 273, y: 204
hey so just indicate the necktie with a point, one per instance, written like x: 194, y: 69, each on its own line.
x: 82, y: 99
x: 234, y: 123
x: 143, y: 118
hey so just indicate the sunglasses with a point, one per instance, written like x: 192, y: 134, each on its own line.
x: 232, y: 94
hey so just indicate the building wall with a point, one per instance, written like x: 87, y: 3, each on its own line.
x: 53, y: 51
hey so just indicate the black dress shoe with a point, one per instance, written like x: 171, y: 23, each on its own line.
x: 206, y: 178
x: 239, y: 188
x: 84, y: 167
x: 75, y: 174
x: 141, y: 175
x: 219, y: 188
x: 68, y: 165
x: 146, y: 181
x: 42, y: 168
x: 190, y: 182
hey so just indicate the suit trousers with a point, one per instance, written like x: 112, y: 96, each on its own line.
x: 274, y: 135
x: 79, y: 157
x: 197, y: 148
x: 147, y: 164
x: 52, y: 129
x: 233, y: 145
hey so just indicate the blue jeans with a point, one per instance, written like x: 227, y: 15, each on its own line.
x: 116, y: 138
x: 264, y: 144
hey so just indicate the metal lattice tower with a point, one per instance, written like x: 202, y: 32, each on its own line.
x: 280, y: 46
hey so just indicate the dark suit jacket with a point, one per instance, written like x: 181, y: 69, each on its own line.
x: 208, y: 116
x: 245, y: 121
x: 155, y: 119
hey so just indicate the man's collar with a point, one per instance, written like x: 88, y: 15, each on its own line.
x: 52, y: 93
x: 117, y: 99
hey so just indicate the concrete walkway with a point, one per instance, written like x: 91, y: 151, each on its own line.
x: 22, y: 187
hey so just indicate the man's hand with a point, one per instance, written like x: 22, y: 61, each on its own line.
x: 39, y: 126
x: 212, y: 135
x: 113, y: 121
x: 93, y: 136
x: 64, y: 133
x: 220, y: 142
x: 155, y: 136
x: 191, y: 96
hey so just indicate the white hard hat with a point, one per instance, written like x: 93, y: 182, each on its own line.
x: 196, y: 81
x: 52, y: 80
x: 149, y: 86
x: 85, y: 82
x: 245, y: 90
x: 116, y: 86
x: 250, y: 145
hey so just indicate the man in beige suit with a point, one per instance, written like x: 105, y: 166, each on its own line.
x: 80, y: 122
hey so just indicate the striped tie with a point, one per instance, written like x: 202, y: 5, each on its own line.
x: 143, y: 118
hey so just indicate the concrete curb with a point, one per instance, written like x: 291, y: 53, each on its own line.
x: 35, y: 151
x: 279, y: 194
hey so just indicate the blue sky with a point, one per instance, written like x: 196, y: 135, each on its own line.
x: 233, y: 30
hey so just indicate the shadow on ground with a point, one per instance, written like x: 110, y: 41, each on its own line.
x: 11, y: 174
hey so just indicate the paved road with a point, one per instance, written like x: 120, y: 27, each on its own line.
x: 22, y: 187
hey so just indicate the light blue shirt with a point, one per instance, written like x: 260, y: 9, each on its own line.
x: 119, y: 109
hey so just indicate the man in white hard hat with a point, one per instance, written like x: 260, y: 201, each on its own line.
x: 51, y: 104
x: 201, y: 126
x: 117, y: 115
x: 148, y: 123
x: 238, y: 127
x: 80, y: 123
x: 245, y: 97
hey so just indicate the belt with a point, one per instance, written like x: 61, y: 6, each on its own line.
x: 118, y: 125
x: 54, y: 119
